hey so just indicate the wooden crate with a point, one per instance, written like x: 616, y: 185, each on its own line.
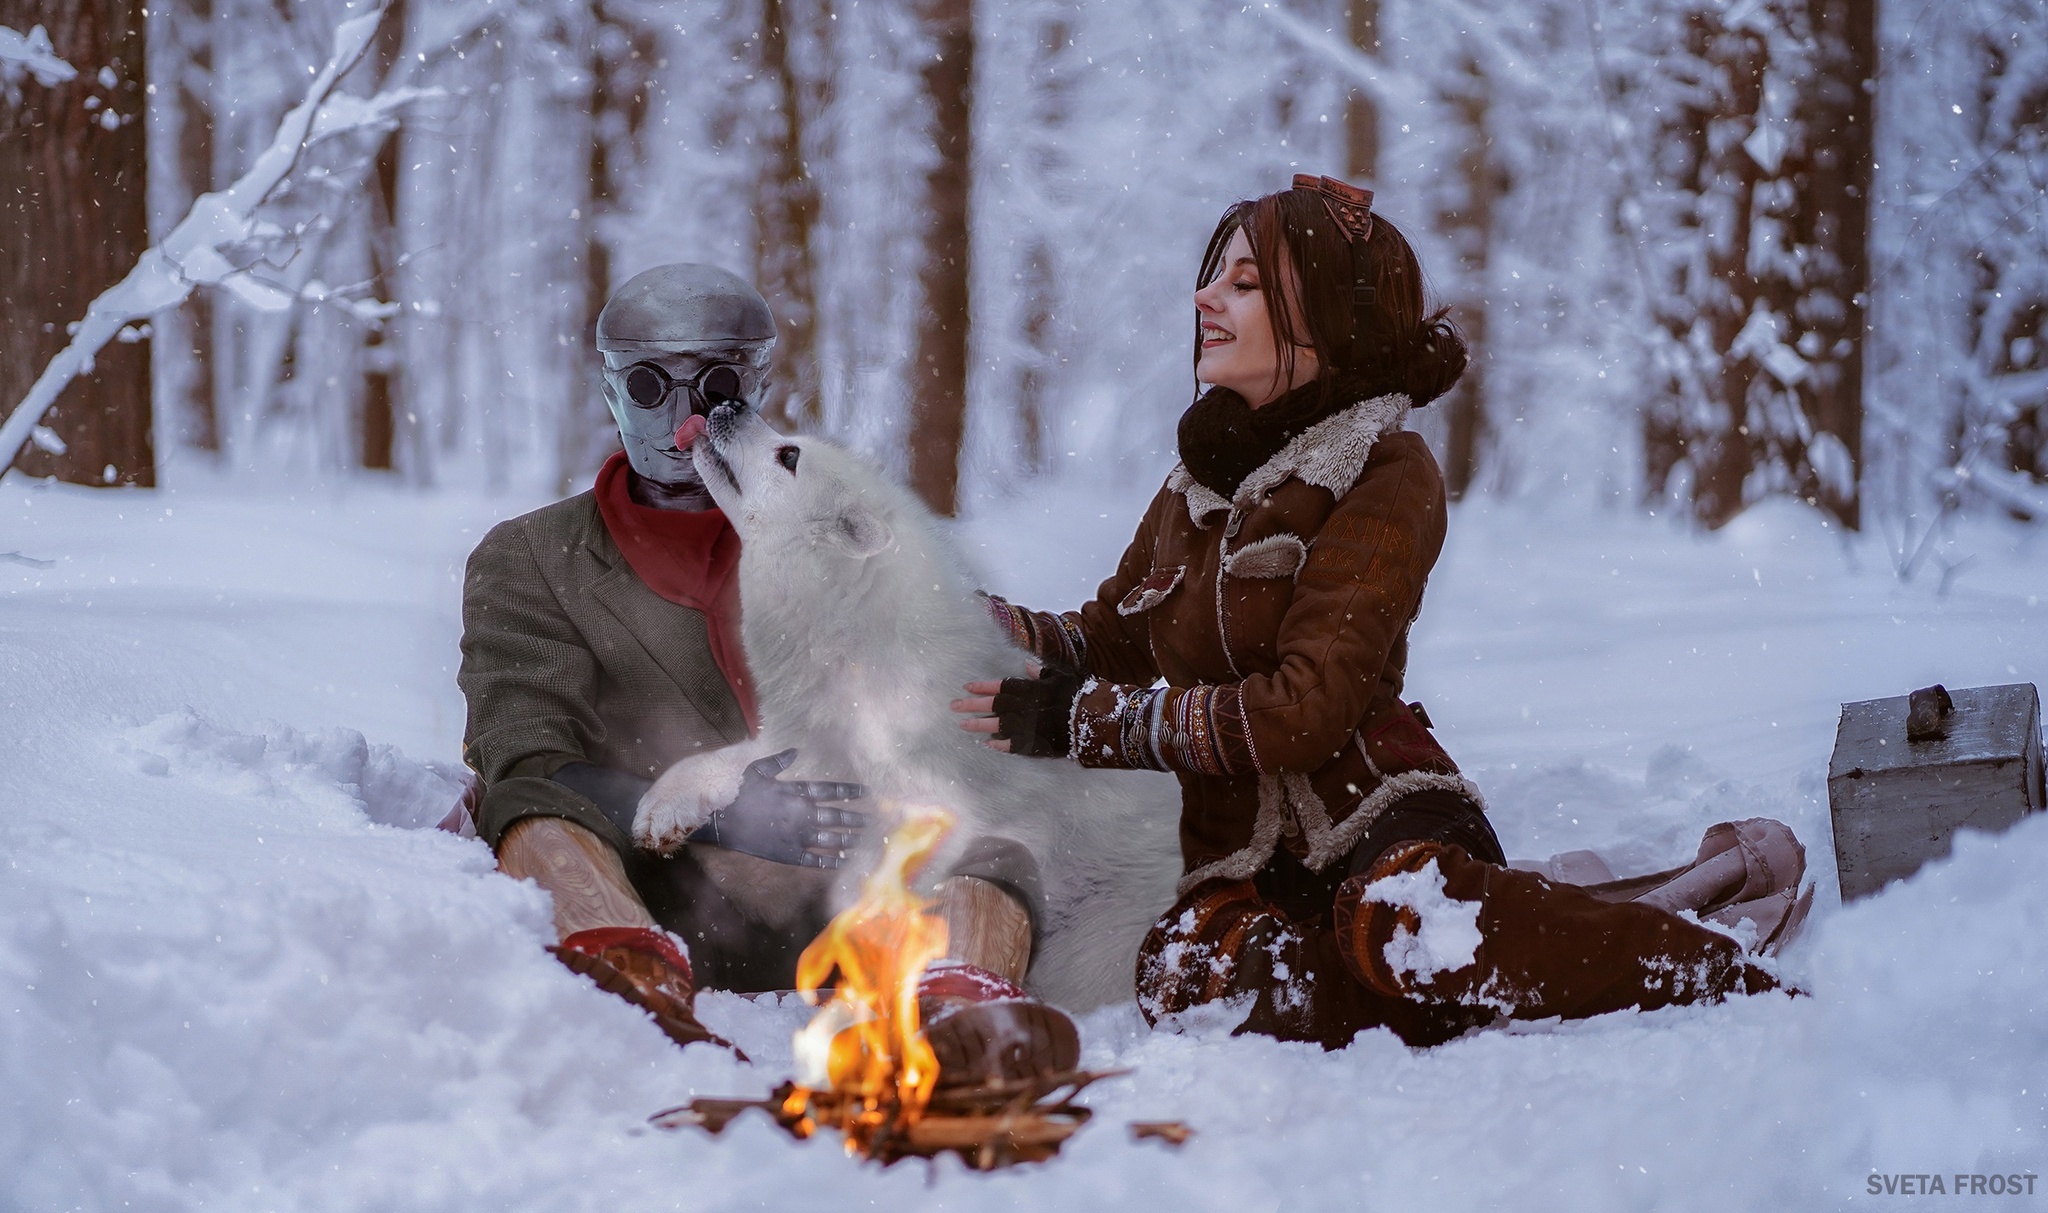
x: 1898, y: 803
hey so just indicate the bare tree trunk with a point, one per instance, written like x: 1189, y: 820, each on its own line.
x: 73, y: 164
x: 1035, y: 377
x: 185, y: 87
x: 382, y: 386
x: 597, y: 284
x: 1361, y: 115
x: 1469, y: 225
x: 1037, y: 367
x: 1730, y: 180
x: 938, y: 410
x: 621, y: 75
x: 786, y: 214
x: 1837, y: 223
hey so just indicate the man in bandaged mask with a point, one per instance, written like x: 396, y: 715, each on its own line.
x: 601, y: 645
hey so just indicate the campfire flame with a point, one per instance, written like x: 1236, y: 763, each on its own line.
x: 863, y: 1065
x: 865, y: 1046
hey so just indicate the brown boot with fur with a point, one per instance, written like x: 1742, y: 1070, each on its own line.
x: 1522, y: 945
x: 1225, y: 943
x: 644, y: 966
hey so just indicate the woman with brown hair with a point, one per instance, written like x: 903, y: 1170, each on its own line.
x: 1339, y: 870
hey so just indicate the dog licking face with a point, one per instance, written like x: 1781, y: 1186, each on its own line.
x: 764, y: 482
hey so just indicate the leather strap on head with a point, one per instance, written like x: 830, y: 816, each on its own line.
x: 1351, y: 207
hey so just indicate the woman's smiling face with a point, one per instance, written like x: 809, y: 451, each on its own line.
x: 1238, y: 348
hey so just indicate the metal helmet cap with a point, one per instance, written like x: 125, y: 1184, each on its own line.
x: 684, y: 308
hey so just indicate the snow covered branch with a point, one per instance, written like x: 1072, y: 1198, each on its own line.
x: 208, y: 247
x: 1385, y: 85
x: 30, y: 54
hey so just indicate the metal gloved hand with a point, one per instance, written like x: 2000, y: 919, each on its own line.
x: 784, y: 821
x: 1036, y: 715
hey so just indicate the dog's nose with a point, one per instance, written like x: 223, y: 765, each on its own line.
x: 722, y: 420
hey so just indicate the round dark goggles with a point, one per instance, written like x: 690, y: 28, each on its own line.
x: 647, y: 385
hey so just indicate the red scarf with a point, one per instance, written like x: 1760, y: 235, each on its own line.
x: 691, y: 558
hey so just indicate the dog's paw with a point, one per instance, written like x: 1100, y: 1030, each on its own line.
x: 688, y: 793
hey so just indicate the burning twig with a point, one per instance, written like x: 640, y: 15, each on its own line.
x: 990, y: 1126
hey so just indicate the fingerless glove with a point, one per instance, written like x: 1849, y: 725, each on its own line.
x: 1036, y: 715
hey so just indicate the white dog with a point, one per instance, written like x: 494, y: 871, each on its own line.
x: 860, y: 625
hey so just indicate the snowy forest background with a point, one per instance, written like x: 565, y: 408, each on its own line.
x: 1715, y: 259
x: 1705, y: 252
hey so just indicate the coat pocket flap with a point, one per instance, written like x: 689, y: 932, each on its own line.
x: 1274, y: 556
x: 1152, y: 591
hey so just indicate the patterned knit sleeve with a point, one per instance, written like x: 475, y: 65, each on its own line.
x: 1199, y: 729
x: 1049, y: 637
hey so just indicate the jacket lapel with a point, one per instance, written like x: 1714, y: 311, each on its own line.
x: 642, y: 616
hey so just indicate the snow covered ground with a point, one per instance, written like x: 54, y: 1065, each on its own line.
x: 235, y: 975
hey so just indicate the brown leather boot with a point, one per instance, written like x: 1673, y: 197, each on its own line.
x: 986, y: 1031
x: 1224, y: 943
x: 1191, y: 957
x: 644, y: 966
x: 1542, y: 949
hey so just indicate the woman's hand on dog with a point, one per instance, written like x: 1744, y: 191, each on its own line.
x: 979, y: 709
x: 1030, y: 716
x: 977, y: 712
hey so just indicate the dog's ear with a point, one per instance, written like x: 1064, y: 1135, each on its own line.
x: 858, y: 531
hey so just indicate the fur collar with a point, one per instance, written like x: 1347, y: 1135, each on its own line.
x: 1329, y: 454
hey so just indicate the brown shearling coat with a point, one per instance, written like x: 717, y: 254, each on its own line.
x: 1295, y: 599
x: 1279, y: 621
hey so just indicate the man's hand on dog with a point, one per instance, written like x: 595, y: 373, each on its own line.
x: 787, y: 821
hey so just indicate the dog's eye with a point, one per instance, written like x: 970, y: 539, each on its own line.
x: 786, y: 456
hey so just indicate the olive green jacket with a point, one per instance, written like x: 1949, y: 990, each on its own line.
x: 567, y: 656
